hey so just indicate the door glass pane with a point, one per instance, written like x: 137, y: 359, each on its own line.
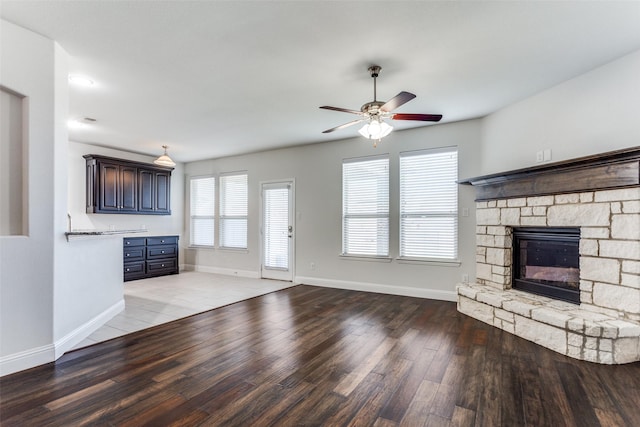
x: 276, y: 228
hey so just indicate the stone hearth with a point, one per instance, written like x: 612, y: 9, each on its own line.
x: 605, y: 327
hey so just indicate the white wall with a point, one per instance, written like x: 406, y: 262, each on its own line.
x: 317, y: 170
x: 26, y: 262
x: 88, y: 286
x: 12, y: 220
x: 589, y: 114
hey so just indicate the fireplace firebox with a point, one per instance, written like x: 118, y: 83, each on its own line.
x: 546, y: 261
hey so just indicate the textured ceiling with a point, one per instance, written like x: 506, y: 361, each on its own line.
x: 217, y: 78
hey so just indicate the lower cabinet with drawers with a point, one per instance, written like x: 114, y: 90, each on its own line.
x: 150, y: 256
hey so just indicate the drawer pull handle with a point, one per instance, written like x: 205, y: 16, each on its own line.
x: 161, y: 241
x: 128, y: 243
x: 162, y: 251
x: 127, y: 269
x: 162, y: 265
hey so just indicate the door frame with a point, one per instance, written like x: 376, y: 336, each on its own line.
x: 292, y: 261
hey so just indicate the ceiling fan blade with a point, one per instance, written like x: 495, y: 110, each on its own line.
x: 344, y: 110
x: 343, y: 126
x: 396, y: 101
x: 418, y: 117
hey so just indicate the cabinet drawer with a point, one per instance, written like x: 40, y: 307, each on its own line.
x: 135, y: 253
x: 152, y: 241
x: 154, y: 252
x: 134, y: 270
x: 134, y: 241
x: 162, y: 266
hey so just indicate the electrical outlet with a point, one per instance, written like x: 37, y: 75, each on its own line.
x: 539, y: 157
x: 312, y: 265
x: 465, y: 212
x: 465, y: 278
x: 546, y: 155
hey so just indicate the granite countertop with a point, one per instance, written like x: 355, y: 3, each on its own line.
x: 81, y: 233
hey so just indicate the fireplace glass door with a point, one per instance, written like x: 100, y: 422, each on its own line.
x: 547, y: 262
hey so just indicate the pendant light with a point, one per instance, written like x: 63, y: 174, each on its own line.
x: 164, y: 160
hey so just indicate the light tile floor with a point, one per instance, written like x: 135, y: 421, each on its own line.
x: 151, y: 302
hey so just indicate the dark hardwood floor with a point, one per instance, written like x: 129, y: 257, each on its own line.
x: 309, y: 356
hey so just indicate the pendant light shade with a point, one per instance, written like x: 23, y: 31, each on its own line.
x: 164, y: 160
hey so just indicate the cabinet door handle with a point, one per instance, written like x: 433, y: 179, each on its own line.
x: 162, y: 251
x: 161, y: 241
x: 127, y: 254
x: 127, y: 269
x: 128, y: 243
x: 162, y: 265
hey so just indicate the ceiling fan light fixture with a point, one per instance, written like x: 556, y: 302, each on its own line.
x: 164, y: 160
x: 375, y: 129
x: 373, y: 113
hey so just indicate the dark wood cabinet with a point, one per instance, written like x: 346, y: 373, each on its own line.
x: 122, y: 186
x: 117, y: 187
x: 149, y: 256
x: 162, y: 187
x: 145, y: 190
x: 154, y: 191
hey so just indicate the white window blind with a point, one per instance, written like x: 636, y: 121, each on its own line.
x: 233, y: 211
x: 365, y: 207
x: 203, y: 210
x: 276, y: 228
x: 429, y: 204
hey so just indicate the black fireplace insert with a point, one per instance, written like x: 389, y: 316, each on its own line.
x: 546, y: 261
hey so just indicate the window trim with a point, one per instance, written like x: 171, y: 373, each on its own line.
x: 386, y: 216
x: 222, y: 217
x: 213, y: 217
x: 411, y: 259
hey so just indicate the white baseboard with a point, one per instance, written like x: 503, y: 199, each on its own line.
x: 226, y: 271
x: 48, y: 353
x: 26, y: 359
x: 381, y: 289
x: 76, y: 336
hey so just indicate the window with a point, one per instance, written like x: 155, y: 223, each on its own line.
x: 233, y: 211
x: 203, y: 192
x: 365, y: 207
x: 429, y: 204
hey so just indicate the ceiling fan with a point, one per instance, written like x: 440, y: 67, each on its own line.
x: 373, y: 113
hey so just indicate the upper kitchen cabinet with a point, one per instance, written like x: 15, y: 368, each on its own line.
x: 154, y: 191
x: 127, y: 187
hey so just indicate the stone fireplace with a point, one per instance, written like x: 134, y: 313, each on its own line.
x: 600, y: 197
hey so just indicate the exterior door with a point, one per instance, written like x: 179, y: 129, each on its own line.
x: 277, y: 231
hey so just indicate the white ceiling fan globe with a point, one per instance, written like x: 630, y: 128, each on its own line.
x: 375, y: 129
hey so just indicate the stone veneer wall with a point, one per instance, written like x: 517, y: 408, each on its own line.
x: 605, y: 327
x: 609, y: 224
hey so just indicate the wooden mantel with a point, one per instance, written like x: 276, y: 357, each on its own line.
x: 614, y: 169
